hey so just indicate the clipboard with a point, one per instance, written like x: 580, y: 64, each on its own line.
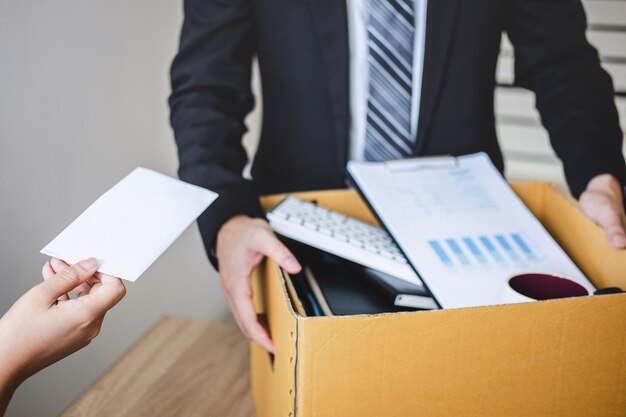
x: 461, y: 227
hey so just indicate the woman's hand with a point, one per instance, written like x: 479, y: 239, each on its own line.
x: 45, y: 325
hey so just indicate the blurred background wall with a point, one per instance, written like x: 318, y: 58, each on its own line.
x: 83, y: 89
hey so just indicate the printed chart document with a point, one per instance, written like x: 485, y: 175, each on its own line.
x: 461, y: 226
x: 132, y: 224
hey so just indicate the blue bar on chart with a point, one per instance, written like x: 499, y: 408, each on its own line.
x: 507, y: 248
x: 491, y: 248
x: 441, y: 253
x: 474, y: 250
x: 456, y: 249
x: 523, y: 246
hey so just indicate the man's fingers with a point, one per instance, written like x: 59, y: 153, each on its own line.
x: 615, y: 235
x: 609, y: 216
x: 241, y: 244
x: 231, y: 307
x: 244, y: 310
x: 602, y: 203
x: 268, y: 244
x: 67, y: 279
x: 227, y: 286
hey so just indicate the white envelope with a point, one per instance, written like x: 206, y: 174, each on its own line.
x: 132, y: 224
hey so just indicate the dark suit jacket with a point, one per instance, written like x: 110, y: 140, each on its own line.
x: 302, y: 48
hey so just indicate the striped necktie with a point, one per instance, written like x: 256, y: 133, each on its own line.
x: 391, y: 32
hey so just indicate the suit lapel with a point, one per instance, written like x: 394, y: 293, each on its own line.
x: 331, y: 24
x: 440, y: 26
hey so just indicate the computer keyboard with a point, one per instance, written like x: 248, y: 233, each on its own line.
x: 342, y: 236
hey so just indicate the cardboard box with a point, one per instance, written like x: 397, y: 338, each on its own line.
x: 551, y: 358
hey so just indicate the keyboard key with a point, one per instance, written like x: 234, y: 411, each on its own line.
x: 342, y: 236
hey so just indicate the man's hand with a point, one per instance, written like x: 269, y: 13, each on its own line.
x: 45, y: 325
x: 602, y: 202
x: 242, y: 243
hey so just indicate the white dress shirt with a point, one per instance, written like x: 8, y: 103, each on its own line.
x: 358, y: 16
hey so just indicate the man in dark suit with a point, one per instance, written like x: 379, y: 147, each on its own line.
x: 375, y: 80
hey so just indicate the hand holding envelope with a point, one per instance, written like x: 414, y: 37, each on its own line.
x: 127, y: 229
x: 132, y: 224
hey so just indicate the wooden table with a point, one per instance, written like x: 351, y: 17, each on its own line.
x: 179, y: 368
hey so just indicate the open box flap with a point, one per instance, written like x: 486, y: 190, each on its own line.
x: 583, y: 240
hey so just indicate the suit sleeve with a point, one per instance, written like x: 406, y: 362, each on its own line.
x: 574, y: 95
x: 211, y: 96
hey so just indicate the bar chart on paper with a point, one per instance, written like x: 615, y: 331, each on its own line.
x: 484, y: 250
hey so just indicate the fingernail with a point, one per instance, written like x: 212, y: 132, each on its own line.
x: 291, y: 264
x: 88, y: 264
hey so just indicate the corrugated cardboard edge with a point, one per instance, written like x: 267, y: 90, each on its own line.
x: 274, y: 377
